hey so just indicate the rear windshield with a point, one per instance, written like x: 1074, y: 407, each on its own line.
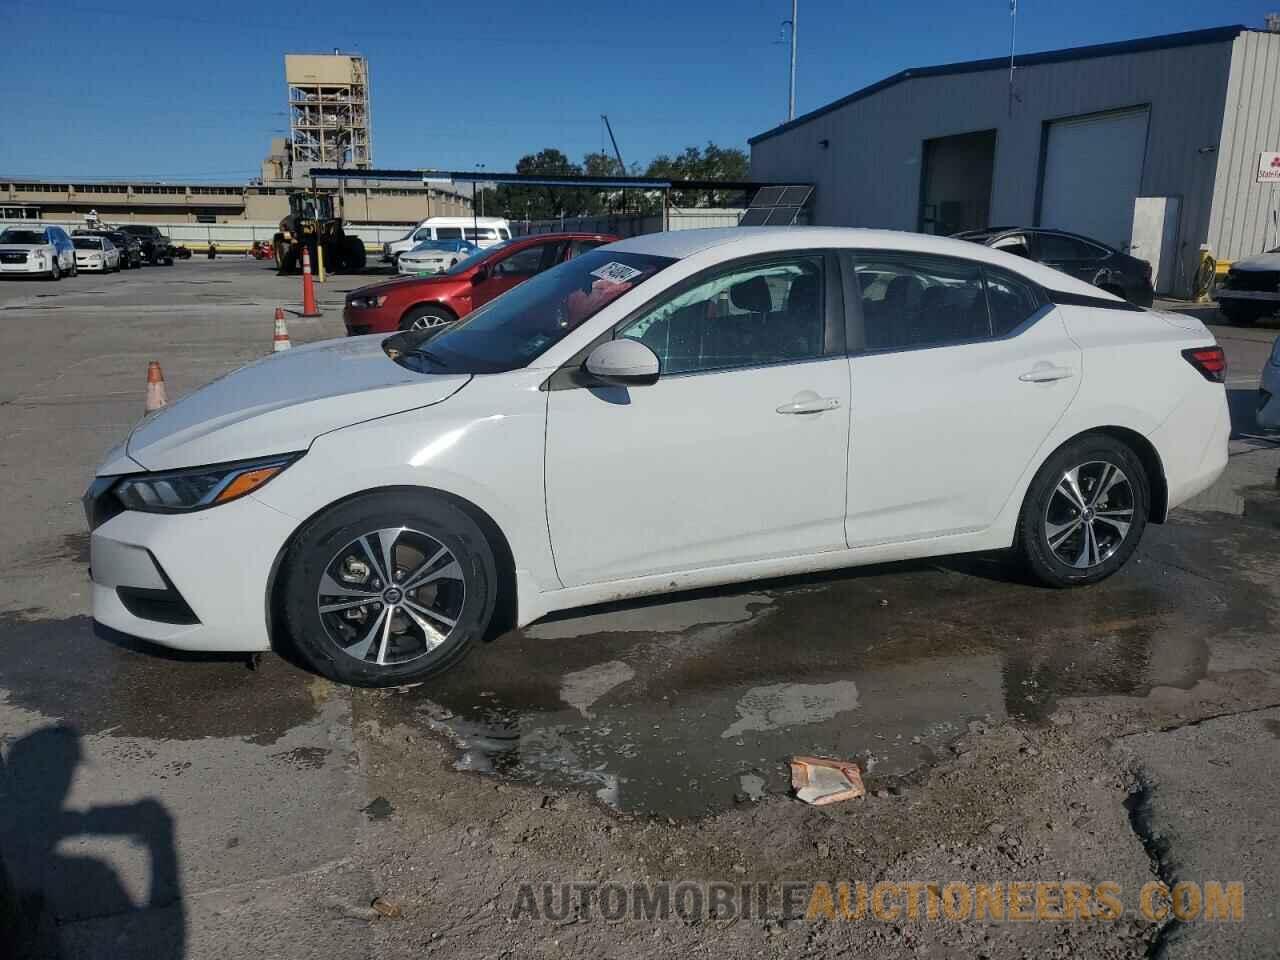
x: 516, y: 328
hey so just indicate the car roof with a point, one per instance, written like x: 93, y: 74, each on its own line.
x: 731, y: 242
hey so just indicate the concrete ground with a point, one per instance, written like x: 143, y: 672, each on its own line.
x: 160, y: 805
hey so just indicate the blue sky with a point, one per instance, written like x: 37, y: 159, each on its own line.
x: 195, y: 91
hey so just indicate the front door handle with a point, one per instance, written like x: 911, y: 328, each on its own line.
x: 809, y: 402
x: 1046, y: 373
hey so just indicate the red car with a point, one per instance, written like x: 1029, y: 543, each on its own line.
x: 417, y: 303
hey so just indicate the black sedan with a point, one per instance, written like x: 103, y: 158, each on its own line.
x: 130, y: 248
x: 1090, y: 260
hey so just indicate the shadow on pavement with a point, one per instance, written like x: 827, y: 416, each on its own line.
x: 43, y: 885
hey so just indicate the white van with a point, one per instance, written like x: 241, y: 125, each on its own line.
x: 482, y: 231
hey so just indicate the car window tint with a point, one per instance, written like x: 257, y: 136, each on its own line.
x: 762, y: 314
x: 1012, y: 301
x: 1054, y: 246
x: 524, y: 262
x: 1017, y: 245
x: 912, y: 300
x: 578, y: 247
x: 448, y: 233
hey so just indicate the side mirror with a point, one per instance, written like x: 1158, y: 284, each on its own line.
x: 480, y: 276
x: 624, y: 362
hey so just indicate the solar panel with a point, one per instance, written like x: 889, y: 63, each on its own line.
x: 778, y: 206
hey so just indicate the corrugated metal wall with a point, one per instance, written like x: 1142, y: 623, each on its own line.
x: 869, y: 175
x: 1242, y: 207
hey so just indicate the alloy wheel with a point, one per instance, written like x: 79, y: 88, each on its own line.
x: 429, y: 321
x: 391, y: 596
x: 1089, y: 514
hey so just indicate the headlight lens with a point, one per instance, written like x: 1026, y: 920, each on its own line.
x: 178, y: 491
x: 367, y: 303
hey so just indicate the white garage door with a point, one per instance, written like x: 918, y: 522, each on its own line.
x: 1093, y: 173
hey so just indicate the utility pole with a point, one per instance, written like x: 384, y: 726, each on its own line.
x: 791, y: 86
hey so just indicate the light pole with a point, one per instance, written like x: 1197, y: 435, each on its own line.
x: 479, y: 166
x: 791, y: 85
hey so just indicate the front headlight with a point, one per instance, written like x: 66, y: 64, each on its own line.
x: 178, y: 491
x: 367, y: 303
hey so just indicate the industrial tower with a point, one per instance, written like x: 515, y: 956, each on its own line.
x: 328, y: 111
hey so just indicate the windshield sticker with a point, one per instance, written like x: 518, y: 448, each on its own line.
x: 615, y: 272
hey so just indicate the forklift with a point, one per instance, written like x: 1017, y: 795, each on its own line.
x: 311, y: 223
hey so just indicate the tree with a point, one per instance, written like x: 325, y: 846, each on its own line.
x: 520, y: 202
x: 713, y: 163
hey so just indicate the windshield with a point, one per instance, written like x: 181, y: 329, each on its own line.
x: 462, y: 266
x: 22, y: 236
x: 87, y: 243
x: 448, y: 246
x: 512, y: 330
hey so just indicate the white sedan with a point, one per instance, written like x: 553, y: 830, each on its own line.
x: 96, y: 254
x: 672, y: 411
x: 435, y: 256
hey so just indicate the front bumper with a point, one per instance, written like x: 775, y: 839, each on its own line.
x: 411, y: 267
x: 191, y: 581
x: 27, y: 268
x: 358, y: 323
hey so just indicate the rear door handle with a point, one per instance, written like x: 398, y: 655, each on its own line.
x: 1046, y: 373
x: 809, y: 402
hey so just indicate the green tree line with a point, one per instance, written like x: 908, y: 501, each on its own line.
x: 517, y: 202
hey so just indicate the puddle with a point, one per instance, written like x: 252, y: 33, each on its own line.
x: 62, y: 670
x: 690, y: 706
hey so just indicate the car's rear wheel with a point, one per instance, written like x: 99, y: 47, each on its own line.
x: 426, y: 318
x: 388, y: 588
x: 1084, y: 513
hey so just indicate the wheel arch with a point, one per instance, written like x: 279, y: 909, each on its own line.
x: 427, y: 303
x: 505, y: 609
x: 1146, y: 453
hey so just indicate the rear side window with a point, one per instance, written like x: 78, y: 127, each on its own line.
x: 448, y: 233
x: 917, y: 300
x: 1055, y: 246
x: 579, y: 247
x: 1012, y: 301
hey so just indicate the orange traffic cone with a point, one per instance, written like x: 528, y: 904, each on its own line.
x: 156, y: 396
x: 280, y: 339
x: 309, y: 308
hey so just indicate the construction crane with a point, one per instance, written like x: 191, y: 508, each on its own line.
x: 622, y: 167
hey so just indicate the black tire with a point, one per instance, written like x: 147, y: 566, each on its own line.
x: 421, y: 522
x: 168, y: 261
x: 1050, y: 504
x: 1242, y: 315
x: 353, y: 254
x: 426, y: 317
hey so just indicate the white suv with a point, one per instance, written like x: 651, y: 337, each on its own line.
x: 44, y: 251
x: 484, y: 232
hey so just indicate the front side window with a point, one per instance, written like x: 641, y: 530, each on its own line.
x: 1055, y: 246
x: 752, y: 315
x: 1015, y: 244
x: 514, y: 329
x: 523, y: 263
x: 918, y: 300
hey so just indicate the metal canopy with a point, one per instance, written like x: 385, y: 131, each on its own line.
x: 537, y: 180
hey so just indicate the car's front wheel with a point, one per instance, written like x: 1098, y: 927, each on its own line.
x: 388, y: 588
x: 1084, y: 512
x: 426, y: 318
x: 55, y: 272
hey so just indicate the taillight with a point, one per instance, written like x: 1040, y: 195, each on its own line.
x: 1210, y: 361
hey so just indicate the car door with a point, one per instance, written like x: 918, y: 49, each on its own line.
x: 960, y: 372
x: 737, y: 453
x: 512, y: 268
x: 1071, y: 255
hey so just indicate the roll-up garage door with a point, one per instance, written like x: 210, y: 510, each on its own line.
x: 1093, y: 173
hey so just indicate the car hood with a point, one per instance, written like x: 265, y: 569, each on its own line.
x: 282, y: 403
x: 391, y: 286
x: 1263, y: 261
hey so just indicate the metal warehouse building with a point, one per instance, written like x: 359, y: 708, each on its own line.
x: 1077, y: 140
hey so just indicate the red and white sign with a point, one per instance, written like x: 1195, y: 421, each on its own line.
x: 1269, y: 168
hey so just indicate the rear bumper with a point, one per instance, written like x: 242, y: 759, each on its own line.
x: 1192, y: 468
x: 189, y: 581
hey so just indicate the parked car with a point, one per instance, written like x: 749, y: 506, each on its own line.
x: 183, y: 252
x: 484, y: 232
x: 40, y: 251
x: 96, y: 254
x: 1089, y: 260
x: 1269, y: 391
x: 129, y: 247
x: 1251, y: 288
x: 156, y: 247
x: 673, y: 411
x: 416, y: 303
x: 435, y: 256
